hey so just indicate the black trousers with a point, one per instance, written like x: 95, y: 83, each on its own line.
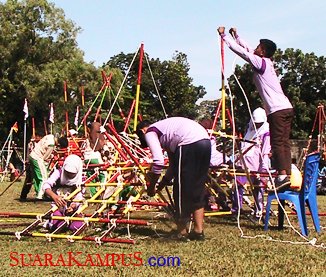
x: 190, y: 168
x: 280, y: 129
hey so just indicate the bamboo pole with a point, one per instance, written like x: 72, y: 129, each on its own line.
x: 138, y: 85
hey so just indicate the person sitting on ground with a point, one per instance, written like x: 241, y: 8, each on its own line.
x: 59, y: 185
x: 188, y: 147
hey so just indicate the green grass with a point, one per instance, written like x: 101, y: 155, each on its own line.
x: 223, y: 253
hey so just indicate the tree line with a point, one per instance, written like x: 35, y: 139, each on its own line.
x: 39, y: 54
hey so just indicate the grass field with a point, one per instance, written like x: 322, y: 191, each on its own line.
x: 223, y: 253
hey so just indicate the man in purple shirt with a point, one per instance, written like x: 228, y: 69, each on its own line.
x: 188, y: 147
x: 277, y: 106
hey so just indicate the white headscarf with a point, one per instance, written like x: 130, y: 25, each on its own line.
x: 73, y: 164
x: 258, y: 116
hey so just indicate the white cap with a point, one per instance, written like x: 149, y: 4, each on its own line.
x: 73, y: 132
x: 259, y: 115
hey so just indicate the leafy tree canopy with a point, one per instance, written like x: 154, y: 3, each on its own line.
x: 39, y: 52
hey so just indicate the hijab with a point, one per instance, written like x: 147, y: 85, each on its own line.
x: 258, y: 116
x: 73, y: 164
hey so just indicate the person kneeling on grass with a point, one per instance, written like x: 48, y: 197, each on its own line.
x: 189, y: 150
x: 60, y: 184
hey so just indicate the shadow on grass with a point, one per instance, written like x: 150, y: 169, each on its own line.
x: 33, y: 200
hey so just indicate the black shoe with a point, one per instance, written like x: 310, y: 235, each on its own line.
x: 179, y: 237
x: 281, y: 186
x: 196, y: 236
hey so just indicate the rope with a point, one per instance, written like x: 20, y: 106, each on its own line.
x: 120, y: 89
x: 158, y: 94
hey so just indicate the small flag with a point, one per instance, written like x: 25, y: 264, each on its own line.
x: 76, y: 117
x: 15, y: 127
x: 25, y: 109
x: 51, y: 117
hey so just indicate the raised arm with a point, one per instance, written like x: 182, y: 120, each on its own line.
x: 243, y: 52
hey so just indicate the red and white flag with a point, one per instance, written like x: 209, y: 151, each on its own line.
x: 25, y: 110
x: 76, y: 117
x: 51, y: 117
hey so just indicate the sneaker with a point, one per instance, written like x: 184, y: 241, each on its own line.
x: 179, y: 237
x: 196, y: 236
x: 281, y: 186
x: 40, y: 195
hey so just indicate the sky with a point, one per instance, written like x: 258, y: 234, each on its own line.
x: 190, y: 27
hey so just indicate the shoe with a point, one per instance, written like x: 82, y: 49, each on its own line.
x: 179, y: 237
x: 196, y: 236
x: 281, y: 186
x: 40, y: 195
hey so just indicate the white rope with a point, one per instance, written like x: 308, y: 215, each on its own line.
x: 18, y: 236
x: 48, y: 237
x: 70, y: 238
x: 113, y: 222
x: 98, y: 240
x: 157, y: 91
x: 119, y: 91
x: 86, y: 220
x: 66, y: 220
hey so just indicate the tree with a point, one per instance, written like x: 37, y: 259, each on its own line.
x: 38, y: 52
x: 171, y: 78
x: 303, y: 80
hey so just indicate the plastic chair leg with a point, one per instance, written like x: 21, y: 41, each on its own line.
x: 300, y: 208
x: 312, y: 205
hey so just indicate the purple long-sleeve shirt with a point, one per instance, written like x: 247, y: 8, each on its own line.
x: 52, y: 180
x: 257, y: 158
x: 265, y: 78
x: 170, y: 133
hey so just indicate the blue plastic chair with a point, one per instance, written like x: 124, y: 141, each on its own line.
x: 307, y: 194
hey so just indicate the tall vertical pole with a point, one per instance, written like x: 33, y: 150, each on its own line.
x: 66, y: 100
x: 223, y: 85
x: 24, y: 153
x: 223, y: 99
x: 33, y: 128
x: 45, y: 127
x: 83, y: 104
x: 25, y: 110
x: 138, y: 84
